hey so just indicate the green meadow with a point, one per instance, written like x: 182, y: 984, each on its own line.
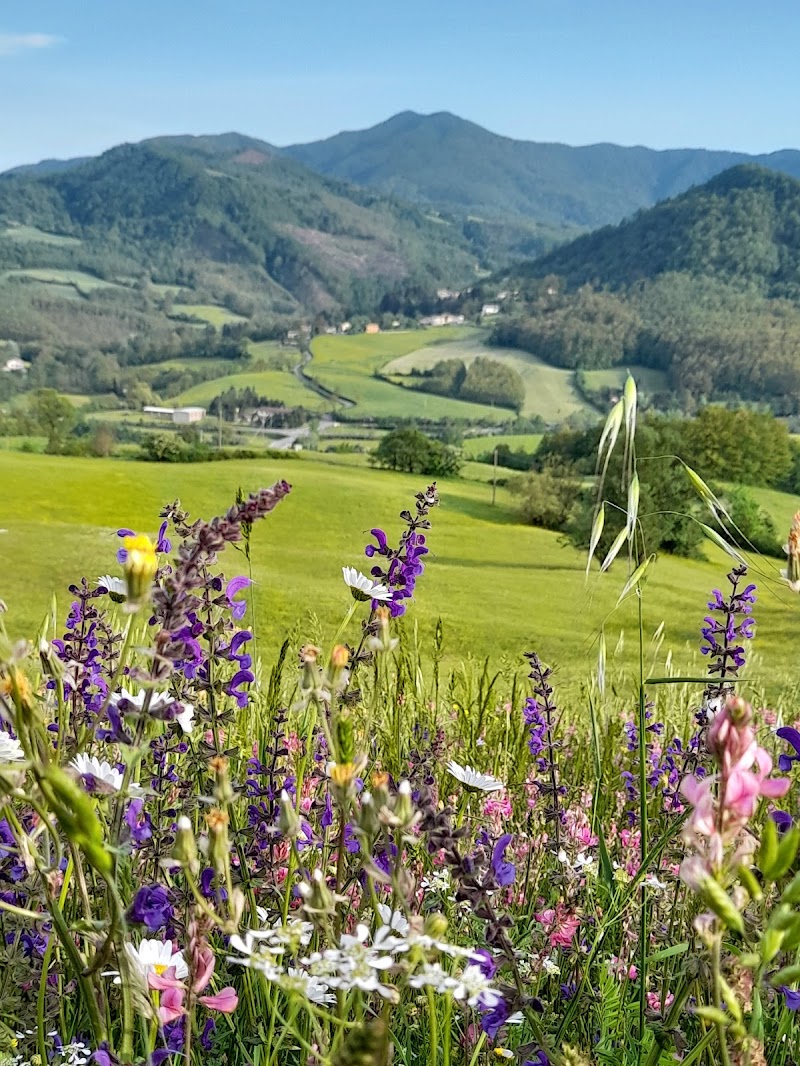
x: 550, y: 391
x: 211, y: 313
x: 500, y: 587
x: 78, y: 280
x: 274, y: 384
x: 346, y: 366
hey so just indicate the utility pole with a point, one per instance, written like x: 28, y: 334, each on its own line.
x: 494, y: 478
x: 219, y: 428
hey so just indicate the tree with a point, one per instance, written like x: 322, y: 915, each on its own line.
x: 54, y: 416
x: 414, y: 453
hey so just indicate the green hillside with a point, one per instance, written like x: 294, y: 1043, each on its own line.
x: 61, y: 515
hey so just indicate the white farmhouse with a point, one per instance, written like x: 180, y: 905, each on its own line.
x: 490, y: 309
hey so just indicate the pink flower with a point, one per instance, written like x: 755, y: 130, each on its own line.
x: 561, y: 926
x: 498, y: 806
x: 225, y: 1001
x: 744, y: 785
x: 204, y: 967
x: 654, y: 1001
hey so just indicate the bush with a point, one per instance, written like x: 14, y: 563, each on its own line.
x: 546, y: 500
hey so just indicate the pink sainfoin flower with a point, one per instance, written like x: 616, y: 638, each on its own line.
x: 560, y: 924
x: 654, y: 1001
x: 498, y: 806
x: 719, y: 818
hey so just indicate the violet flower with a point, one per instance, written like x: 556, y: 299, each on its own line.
x: 235, y: 586
x: 505, y: 873
x: 791, y: 736
x: 791, y: 998
x: 151, y: 907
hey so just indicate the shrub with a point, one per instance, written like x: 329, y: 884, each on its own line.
x: 412, y: 452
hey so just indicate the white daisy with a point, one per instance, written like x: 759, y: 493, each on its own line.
x: 10, y: 748
x: 114, y: 586
x: 363, y: 587
x: 103, y: 776
x: 155, y: 957
x: 474, y: 779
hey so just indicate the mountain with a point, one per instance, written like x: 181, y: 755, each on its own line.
x: 704, y: 287
x: 229, y: 217
x: 459, y: 167
x: 743, y: 226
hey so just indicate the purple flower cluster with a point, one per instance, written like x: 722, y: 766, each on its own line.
x: 724, y: 630
x: 403, y: 564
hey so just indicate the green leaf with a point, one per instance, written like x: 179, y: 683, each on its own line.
x: 768, y: 849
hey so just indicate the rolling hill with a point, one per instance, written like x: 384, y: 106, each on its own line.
x: 458, y: 166
x: 705, y: 287
x: 228, y: 215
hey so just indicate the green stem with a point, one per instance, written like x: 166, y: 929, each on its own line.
x: 642, y: 831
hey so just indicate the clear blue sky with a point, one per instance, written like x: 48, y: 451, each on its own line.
x: 76, y: 78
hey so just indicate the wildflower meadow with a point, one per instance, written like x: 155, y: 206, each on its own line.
x: 356, y: 856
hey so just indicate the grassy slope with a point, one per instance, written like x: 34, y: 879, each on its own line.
x: 216, y: 316
x: 517, y: 442
x: 549, y: 390
x: 647, y: 379
x: 274, y: 384
x: 499, y: 587
x: 346, y: 365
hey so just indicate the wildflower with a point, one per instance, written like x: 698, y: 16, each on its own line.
x: 140, y: 565
x: 159, y: 701
x: 185, y: 718
x: 505, y: 873
x: 151, y: 907
x: 404, y: 563
x: 152, y: 958
x: 791, y: 998
x: 312, y: 988
x: 10, y: 748
x: 99, y: 776
x: 791, y: 574
x: 138, y: 821
x: 791, y: 736
x: 114, y: 586
x: 473, y: 779
x: 232, y: 589
x: 561, y: 926
x: 362, y: 587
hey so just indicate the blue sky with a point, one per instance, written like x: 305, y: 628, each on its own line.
x: 76, y: 78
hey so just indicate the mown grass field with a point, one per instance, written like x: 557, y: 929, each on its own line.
x: 81, y: 282
x: 499, y: 587
x: 550, y: 391
x: 274, y: 384
x: 211, y: 313
x: 647, y: 380
x: 517, y: 442
x: 346, y: 365
x: 34, y: 235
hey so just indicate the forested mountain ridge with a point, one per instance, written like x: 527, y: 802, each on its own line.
x: 209, y: 207
x: 458, y: 166
x: 705, y: 287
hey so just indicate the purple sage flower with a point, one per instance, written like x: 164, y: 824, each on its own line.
x: 151, y: 907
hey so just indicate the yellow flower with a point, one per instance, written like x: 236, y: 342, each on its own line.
x: 141, y: 565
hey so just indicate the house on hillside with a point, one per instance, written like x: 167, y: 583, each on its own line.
x: 345, y: 327
x: 447, y: 294
x: 178, y: 415
x: 490, y: 309
x: 442, y: 320
x: 15, y: 366
x: 372, y: 327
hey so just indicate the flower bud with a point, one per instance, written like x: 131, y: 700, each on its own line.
x: 223, y: 791
x: 368, y: 821
x: 345, y: 738
x: 219, y: 852
x: 288, y: 822
x: 340, y: 657
x: 436, y: 926
x: 184, y: 850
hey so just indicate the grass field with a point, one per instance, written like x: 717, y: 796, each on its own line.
x: 274, y: 384
x: 76, y: 279
x: 647, y: 380
x: 215, y: 316
x: 346, y: 365
x: 500, y: 587
x: 517, y: 442
x: 550, y: 391
x: 33, y: 235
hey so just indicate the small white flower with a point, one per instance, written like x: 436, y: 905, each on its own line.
x: 431, y: 975
x: 114, y: 586
x: 550, y: 965
x: 394, y: 920
x: 652, y: 881
x: 473, y: 779
x: 314, y: 989
x: 105, y: 777
x: 10, y: 748
x: 155, y: 957
x: 363, y: 587
x: 158, y: 700
x: 474, y: 986
x: 186, y: 718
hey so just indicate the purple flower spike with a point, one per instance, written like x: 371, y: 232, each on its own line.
x: 233, y: 688
x: 163, y: 544
x: 235, y: 586
x: 791, y: 736
x: 505, y: 873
